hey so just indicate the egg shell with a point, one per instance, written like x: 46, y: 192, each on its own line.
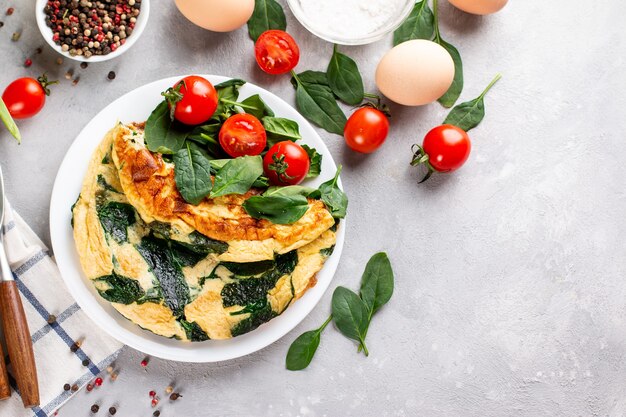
x: 415, y: 72
x: 480, y: 7
x: 217, y: 15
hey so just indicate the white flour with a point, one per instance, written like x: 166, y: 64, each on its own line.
x: 350, y: 18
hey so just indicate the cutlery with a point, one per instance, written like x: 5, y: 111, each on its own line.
x: 15, y: 326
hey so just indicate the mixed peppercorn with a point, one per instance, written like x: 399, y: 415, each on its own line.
x: 84, y: 27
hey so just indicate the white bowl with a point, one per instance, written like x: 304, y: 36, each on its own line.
x: 46, y: 32
x: 136, y: 106
x: 347, y: 38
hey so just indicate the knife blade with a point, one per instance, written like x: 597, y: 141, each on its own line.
x: 15, y: 326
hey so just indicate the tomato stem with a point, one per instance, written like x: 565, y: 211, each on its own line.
x: 235, y: 103
x: 491, y: 84
x: 44, y: 83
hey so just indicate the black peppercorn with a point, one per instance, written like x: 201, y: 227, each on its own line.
x: 67, y: 387
x: 84, y: 65
x: 111, y: 75
x: 157, y: 413
x: 74, y: 347
x: 112, y: 411
x: 175, y: 396
x: 86, y: 362
x: 95, y: 408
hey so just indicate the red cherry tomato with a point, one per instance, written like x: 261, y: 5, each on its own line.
x: 25, y: 97
x: 242, y: 134
x: 447, y: 147
x: 276, y: 52
x: 286, y: 163
x: 194, y: 98
x: 366, y: 130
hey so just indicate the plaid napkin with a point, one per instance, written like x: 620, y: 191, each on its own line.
x: 56, y: 323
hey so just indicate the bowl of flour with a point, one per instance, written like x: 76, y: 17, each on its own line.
x: 351, y: 22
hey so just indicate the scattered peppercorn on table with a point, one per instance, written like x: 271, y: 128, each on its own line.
x: 510, y: 286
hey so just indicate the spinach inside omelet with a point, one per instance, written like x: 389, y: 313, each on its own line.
x: 169, y: 278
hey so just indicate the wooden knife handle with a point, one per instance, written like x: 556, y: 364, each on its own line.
x: 19, y: 343
x: 5, y: 388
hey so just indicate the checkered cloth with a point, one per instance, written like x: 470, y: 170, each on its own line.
x: 44, y: 295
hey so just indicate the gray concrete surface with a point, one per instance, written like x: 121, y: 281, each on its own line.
x: 511, y: 292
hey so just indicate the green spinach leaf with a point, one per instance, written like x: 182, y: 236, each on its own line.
x: 279, y: 209
x: 255, y: 106
x: 303, y: 349
x: 226, y: 92
x: 345, y: 79
x: 193, y: 331
x: 120, y: 289
x: 419, y: 25
x: 267, y: 14
x: 237, y: 176
x: 377, y: 283
x: 192, y: 172
x: 468, y: 115
x: 261, y: 313
x: 279, y: 129
x: 350, y: 315
x: 115, y: 219
x: 454, y: 92
x: 317, y: 103
x: 326, y: 252
x: 248, y: 269
x: 336, y: 200
x: 290, y: 190
x: 310, y: 77
x: 316, y: 162
x: 203, y: 245
x: 161, y: 134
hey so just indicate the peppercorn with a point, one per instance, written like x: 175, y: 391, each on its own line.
x: 74, y: 348
x: 152, y: 393
x: 89, y: 387
x: 175, y: 396
x: 39, y: 50
x: 155, y: 402
x: 16, y: 36
x: 157, y: 413
x: 76, y: 80
x: 84, y: 65
x: 113, y: 376
x: 1, y: 24
x: 74, y: 388
x: 95, y: 408
x: 51, y: 318
x: 144, y: 362
x: 169, y: 389
x: 66, y: 387
x: 98, y: 381
x: 10, y: 11
x: 109, y: 369
x: 86, y: 362
x: 112, y: 411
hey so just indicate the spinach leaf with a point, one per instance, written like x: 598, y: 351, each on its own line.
x: 206, y: 136
x: 310, y: 77
x: 290, y: 190
x: 217, y: 164
x: 317, y: 103
x: 377, y: 283
x: 255, y: 106
x: 468, y: 115
x: 102, y: 182
x: 267, y: 14
x: 184, y: 256
x: 226, y: 91
x: 326, y: 252
x: 248, y: 269
x: 115, y: 219
x: 279, y: 129
x: 247, y: 291
x: 419, y: 25
x: 454, y: 92
x: 279, y: 209
x: 121, y: 289
x: 161, y: 134
x: 316, y: 161
x: 193, y: 331
x: 237, y: 176
x: 336, y: 200
x: 261, y: 314
x: 167, y: 271
x: 261, y: 182
x: 192, y: 173
x: 345, y: 79
x: 303, y: 349
x: 8, y: 121
x: 350, y: 315
x: 203, y: 245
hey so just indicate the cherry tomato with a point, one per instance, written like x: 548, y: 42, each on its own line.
x: 276, y: 52
x: 286, y: 163
x: 242, y: 134
x: 194, y: 98
x: 25, y: 97
x: 447, y: 147
x: 366, y: 130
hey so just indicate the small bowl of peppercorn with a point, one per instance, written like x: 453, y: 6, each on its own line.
x: 92, y: 30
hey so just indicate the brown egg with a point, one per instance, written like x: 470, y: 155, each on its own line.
x: 479, y: 6
x: 415, y: 72
x: 217, y: 15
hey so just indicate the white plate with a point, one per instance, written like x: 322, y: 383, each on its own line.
x: 136, y: 106
x: 46, y: 32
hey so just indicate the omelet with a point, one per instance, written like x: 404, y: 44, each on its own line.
x: 181, y: 271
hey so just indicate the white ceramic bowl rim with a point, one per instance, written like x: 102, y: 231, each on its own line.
x: 46, y: 32
x: 136, y: 105
x: 392, y: 25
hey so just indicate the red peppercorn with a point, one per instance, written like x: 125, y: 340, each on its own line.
x: 28, y: 62
x: 10, y: 11
x: 144, y: 363
x: 89, y: 387
x: 155, y: 402
x: 152, y: 394
x: 98, y: 381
